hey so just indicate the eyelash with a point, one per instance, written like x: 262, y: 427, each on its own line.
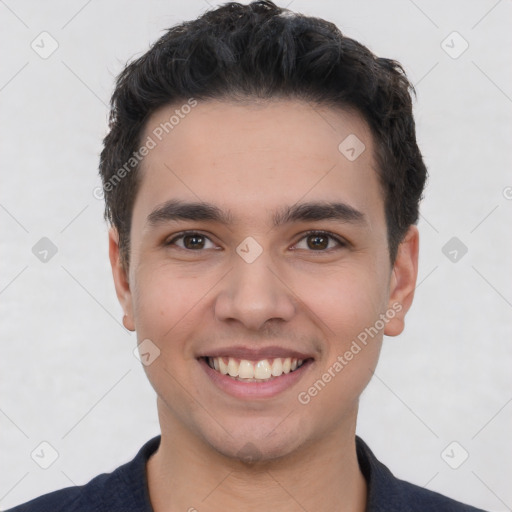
x: 341, y: 243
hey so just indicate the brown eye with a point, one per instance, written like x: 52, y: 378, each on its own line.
x: 191, y: 241
x: 319, y: 241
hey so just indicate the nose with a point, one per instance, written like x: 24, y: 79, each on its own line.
x: 254, y: 293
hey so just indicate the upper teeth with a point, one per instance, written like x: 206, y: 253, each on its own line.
x: 261, y: 370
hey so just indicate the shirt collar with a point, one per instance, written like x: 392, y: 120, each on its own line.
x: 383, y: 488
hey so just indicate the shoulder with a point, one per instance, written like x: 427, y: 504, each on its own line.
x: 421, y: 499
x: 123, y: 489
x: 72, y: 499
x: 386, y: 492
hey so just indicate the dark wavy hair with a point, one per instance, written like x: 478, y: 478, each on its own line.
x: 260, y: 51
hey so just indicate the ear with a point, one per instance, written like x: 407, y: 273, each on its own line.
x: 121, y: 281
x: 403, y: 281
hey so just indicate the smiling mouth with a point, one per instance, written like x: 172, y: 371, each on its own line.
x: 254, y: 371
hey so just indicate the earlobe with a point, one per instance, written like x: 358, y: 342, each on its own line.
x: 128, y: 323
x: 121, y: 281
x: 403, y: 281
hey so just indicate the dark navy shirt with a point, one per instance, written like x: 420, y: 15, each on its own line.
x: 126, y: 490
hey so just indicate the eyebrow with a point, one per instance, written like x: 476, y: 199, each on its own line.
x: 174, y: 210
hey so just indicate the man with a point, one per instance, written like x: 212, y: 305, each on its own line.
x: 262, y: 181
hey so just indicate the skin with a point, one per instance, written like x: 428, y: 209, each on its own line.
x: 251, y: 159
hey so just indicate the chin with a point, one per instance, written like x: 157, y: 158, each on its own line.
x: 254, y: 447
x: 254, y: 452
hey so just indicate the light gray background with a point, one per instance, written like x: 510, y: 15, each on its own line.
x: 68, y: 375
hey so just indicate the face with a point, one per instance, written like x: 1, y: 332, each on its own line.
x: 260, y: 273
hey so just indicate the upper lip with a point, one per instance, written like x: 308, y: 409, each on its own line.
x: 256, y: 354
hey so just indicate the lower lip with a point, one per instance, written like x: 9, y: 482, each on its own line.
x: 249, y: 390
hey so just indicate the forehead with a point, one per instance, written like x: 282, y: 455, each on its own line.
x: 255, y: 157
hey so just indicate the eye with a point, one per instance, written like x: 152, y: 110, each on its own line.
x: 319, y: 241
x: 191, y: 240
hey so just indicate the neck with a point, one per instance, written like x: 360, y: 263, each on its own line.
x: 185, y: 474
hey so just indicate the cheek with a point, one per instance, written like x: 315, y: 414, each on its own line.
x: 352, y: 351
x: 166, y: 306
x: 347, y: 307
x: 343, y: 302
x: 166, y: 303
